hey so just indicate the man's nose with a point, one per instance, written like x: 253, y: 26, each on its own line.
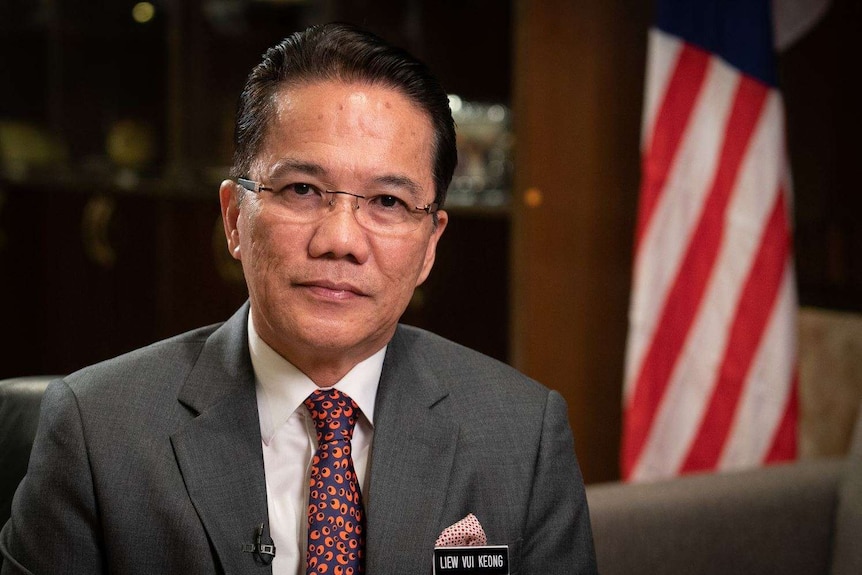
x: 338, y: 234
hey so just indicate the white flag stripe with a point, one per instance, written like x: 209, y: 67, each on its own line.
x: 695, y: 374
x: 663, y: 52
x: 768, y: 386
x: 666, y: 240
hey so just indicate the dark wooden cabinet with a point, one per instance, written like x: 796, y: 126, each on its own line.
x: 466, y: 297
x: 87, y: 276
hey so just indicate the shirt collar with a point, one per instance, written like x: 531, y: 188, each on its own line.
x: 282, y: 387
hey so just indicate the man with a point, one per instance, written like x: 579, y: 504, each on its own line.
x: 310, y: 427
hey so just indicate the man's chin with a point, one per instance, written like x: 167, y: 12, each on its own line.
x: 338, y: 336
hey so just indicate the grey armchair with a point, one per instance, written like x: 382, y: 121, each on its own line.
x: 802, y: 518
x: 20, y: 399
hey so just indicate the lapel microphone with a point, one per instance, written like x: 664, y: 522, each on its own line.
x: 264, y: 553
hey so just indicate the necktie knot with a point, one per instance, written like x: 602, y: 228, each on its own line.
x: 334, y: 414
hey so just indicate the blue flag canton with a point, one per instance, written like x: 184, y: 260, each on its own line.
x: 737, y: 31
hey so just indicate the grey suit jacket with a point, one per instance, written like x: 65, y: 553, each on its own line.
x: 152, y: 463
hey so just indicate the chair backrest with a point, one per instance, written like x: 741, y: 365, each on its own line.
x: 847, y: 552
x: 20, y: 399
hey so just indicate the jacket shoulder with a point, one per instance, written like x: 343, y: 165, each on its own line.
x: 464, y: 370
x: 165, y: 362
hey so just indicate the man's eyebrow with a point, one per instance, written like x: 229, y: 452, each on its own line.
x: 286, y: 165
x: 402, y: 182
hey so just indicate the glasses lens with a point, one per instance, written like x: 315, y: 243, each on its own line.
x: 387, y: 214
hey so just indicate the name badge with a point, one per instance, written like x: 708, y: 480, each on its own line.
x: 487, y: 560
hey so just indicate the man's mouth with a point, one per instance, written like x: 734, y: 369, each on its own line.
x: 330, y: 289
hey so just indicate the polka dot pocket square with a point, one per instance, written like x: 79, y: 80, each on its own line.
x: 466, y: 532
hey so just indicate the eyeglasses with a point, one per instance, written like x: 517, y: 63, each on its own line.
x: 382, y: 213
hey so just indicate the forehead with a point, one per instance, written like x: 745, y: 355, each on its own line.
x: 349, y: 125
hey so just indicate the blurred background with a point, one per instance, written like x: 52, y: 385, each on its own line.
x: 115, y: 131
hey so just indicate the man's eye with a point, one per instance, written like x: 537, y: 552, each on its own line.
x: 389, y: 202
x: 299, y: 189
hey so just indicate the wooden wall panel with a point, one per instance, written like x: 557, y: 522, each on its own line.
x: 578, y: 85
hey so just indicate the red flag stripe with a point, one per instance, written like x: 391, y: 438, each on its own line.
x: 684, y: 297
x: 755, y: 306
x: 680, y: 98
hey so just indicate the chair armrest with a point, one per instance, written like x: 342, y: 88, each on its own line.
x: 20, y: 399
x: 771, y: 520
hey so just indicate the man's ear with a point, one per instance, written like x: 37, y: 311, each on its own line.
x: 229, y: 198
x: 431, y: 248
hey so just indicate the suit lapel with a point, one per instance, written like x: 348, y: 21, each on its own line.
x: 411, y: 462
x: 219, y: 452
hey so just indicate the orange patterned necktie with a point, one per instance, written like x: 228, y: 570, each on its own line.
x: 336, y: 519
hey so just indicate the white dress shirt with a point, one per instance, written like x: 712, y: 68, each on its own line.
x: 289, y: 441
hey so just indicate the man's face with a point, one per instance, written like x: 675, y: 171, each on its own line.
x: 328, y: 294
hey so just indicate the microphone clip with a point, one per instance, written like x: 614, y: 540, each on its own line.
x: 263, y: 552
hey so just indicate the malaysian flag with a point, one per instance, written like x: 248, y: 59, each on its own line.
x: 711, y: 378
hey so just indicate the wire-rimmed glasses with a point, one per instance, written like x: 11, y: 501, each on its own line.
x: 383, y: 213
